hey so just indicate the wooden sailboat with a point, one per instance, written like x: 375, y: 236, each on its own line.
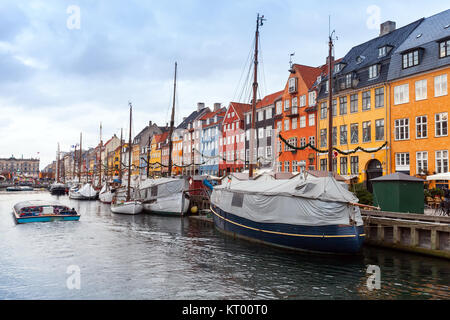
x: 106, y: 191
x: 166, y: 196
x: 126, y: 205
x: 79, y: 191
x: 302, y: 213
x: 58, y: 188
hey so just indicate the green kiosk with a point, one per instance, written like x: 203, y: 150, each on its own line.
x: 399, y: 192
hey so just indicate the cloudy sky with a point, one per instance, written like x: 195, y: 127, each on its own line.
x: 66, y: 66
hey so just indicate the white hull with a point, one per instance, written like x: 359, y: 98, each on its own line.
x: 130, y: 207
x: 84, y: 193
x: 169, y: 205
x: 105, y: 197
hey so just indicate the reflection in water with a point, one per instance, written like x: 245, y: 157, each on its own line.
x: 154, y: 257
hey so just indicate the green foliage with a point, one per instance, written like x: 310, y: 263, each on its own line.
x: 364, y: 196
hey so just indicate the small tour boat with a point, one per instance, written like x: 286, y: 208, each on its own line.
x: 43, y: 211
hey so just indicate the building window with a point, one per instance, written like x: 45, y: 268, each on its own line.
x: 344, y: 168
x: 382, y: 52
x: 302, y: 122
x: 286, y: 125
x: 348, y: 80
x: 286, y: 105
x: 421, y: 162
x: 323, y: 138
x: 311, y: 120
x: 279, y: 166
x: 260, y: 133
x: 312, y: 140
x: 286, y: 166
x: 379, y: 130
x: 334, y: 108
x: 373, y: 71
x: 410, y: 59
x: 323, y: 110
x: 343, y: 134
x: 354, y: 165
x: 269, y: 113
x: 342, y: 105
x: 421, y: 90
x: 334, y: 136
x: 294, y: 123
x: 302, y: 142
x: 379, y: 98
x: 401, y: 129
x: 441, y: 124
x: 366, y: 100
x: 269, y: 151
x: 279, y: 105
x: 444, y: 49
x: 401, y: 94
x: 323, y: 165
x: 354, y: 135
x: 366, y: 126
x: 294, y: 102
x: 269, y: 131
x: 442, y: 161
x: 312, y: 98
x: 354, y: 103
x: 440, y: 85
x: 303, y: 101
x: 421, y: 127
x: 402, y: 161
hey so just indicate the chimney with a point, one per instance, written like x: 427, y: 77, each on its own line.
x: 217, y: 106
x: 149, y: 123
x: 200, y: 106
x: 387, y: 27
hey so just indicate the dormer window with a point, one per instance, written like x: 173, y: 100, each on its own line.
x: 337, y: 68
x: 410, y: 59
x: 444, y: 48
x: 373, y: 71
x: 326, y: 86
x: 360, y: 59
x: 348, y: 80
x: 319, y: 79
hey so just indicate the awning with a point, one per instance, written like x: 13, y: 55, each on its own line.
x: 439, y: 176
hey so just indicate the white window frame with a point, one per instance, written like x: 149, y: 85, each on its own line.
x: 401, y: 94
x: 441, y: 160
x: 402, y: 161
x: 311, y: 120
x: 422, y: 123
x: 439, y: 120
x: 303, y: 122
x: 401, y: 124
x: 440, y: 85
x: 421, y: 161
x: 421, y: 89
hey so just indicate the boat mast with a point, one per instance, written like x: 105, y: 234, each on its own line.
x: 74, y: 157
x: 100, y: 159
x: 79, y: 163
x: 129, y: 157
x: 57, y: 165
x: 330, y: 105
x: 120, y: 156
x: 172, y: 121
x: 259, y: 22
x: 148, y: 157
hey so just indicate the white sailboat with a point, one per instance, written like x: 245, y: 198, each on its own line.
x: 166, y: 195
x: 121, y: 202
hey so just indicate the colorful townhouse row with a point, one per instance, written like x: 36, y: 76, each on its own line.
x: 390, y: 97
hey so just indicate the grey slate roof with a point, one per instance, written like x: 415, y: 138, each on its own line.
x: 369, y: 50
x: 398, y: 176
x: 194, y: 115
x: 431, y: 30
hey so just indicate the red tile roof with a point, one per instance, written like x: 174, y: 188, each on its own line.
x: 269, y: 99
x: 241, y: 108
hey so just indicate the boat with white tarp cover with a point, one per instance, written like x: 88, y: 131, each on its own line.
x: 302, y: 213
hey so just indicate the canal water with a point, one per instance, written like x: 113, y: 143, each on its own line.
x: 154, y: 257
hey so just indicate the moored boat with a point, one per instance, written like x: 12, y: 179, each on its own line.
x: 43, y: 211
x: 58, y: 188
x: 165, y: 196
x: 306, y: 214
x: 86, y: 192
x: 106, y: 193
x: 19, y: 188
x: 127, y: 207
